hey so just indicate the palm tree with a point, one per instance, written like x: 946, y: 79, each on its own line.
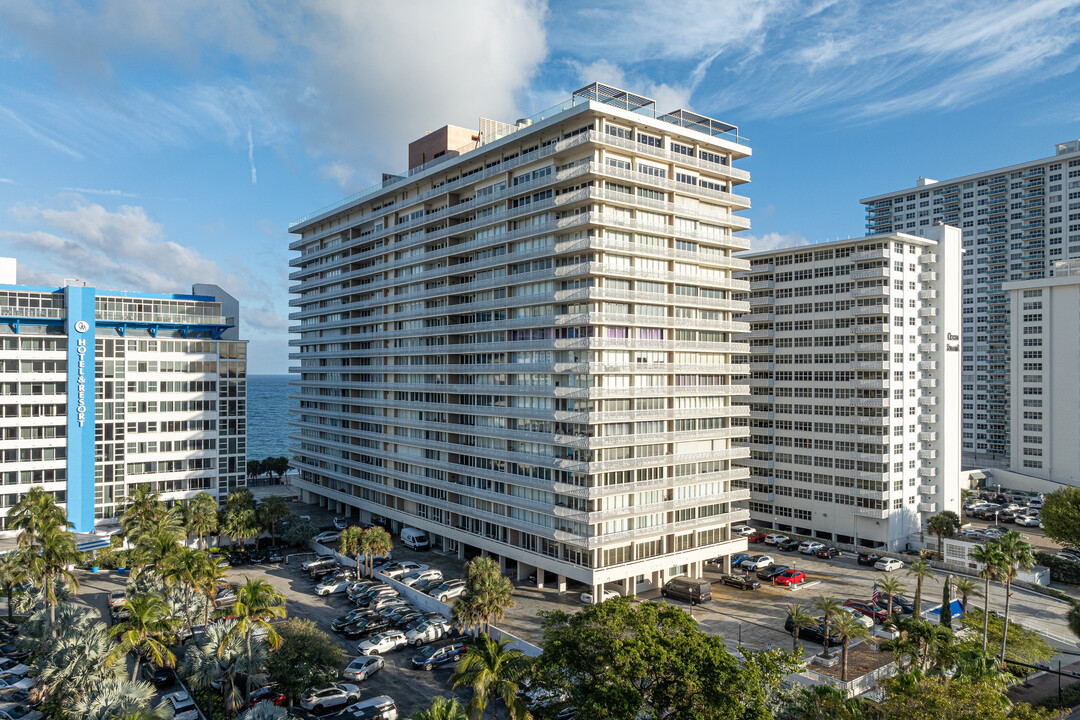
x: 467, y: 614
x: 1018, y: 554
x: 33, y: 514
x: 12, y: 572
x: 489, y: 589
x: 119, y: 699
x: 218, y: 658
x: 256, y: 603
x: 974, y: 665
x: 943, y: 525
x: 273, y: 510
x: 207, y: 581
x: 921, y: 570
x: 186, y: 567
x: 992, y: 559
x: 377, y: 543
x: 892, y: 587
x: 848, y: 628
x: 966, y: 587
x: 156, y: 545
x: 144, y: 631
x: 200, y: 517
x: 49, y: 563
x: 441, y: 708
x: 829, y: 607
x: 492, y: 669
x: 264, y: 711
x: 240, y: 524
x: 351, y: 543
x: 142, y: 512
x: 77, y: 661
x: 800, y: 618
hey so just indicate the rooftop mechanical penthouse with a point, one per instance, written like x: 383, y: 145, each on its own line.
x: 523, y: 345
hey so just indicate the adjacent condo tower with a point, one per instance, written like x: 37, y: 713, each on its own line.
x: 103, y: 390
x: 523, y: 346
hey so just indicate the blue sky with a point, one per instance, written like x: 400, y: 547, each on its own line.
x: 150, y: 145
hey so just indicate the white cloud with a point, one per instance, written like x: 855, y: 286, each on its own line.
x: 339, y: 172
x: 7, y: 181
x: 93, y: 191
x: 773, y: 241
x: 251, y: 157
x: 43, y: 138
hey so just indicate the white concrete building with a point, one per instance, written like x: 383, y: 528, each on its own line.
x: 523, y: 346
x: 102, y: 390
x: 854, y: 395
x: 1016, y: 222
x: 1045, y: 360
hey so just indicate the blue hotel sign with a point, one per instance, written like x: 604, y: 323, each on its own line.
x: 81, y: 329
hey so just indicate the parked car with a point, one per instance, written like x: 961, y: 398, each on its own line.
x: 183, y: 707
x: 867, y: 609
x: 159, y: 677
x: 868, y: 559
x: 349, y: 618
x: 1027, y: 520
x: 768, y: 572
x: 11, y: 666
x: 415, y: 539
x: 327, y: 537
x: 20, y: 712
x: 306, y: 565
x: 740, y: 581
x: 381, y: 707
x: 587, y: 598
x: 814, y: 633
x: 449, y: 589
x: 416, y: 576
x: 336, y: 695
x: 736, y: 559
x: 275, y: 555
x: 692, y: 590
x: 827, y: 552
x: 756, y: 562
x: 117, y: 597
x: 773, y: 538
x: 788, y: 545
x: 427, y: 632
x: 888, y: 564
x: 900, y: 603
x: 866, y: 622
x: 383, y: 643
x: 340, y: 523
x: 332, y: 586
x: 402, y: 568
x: 268, y: 694
x: 809, y: 547
x: 789, y: 578
x: 742, y: 530
x: 321, y: 573
x: 363, y: 667
x: 756, y: 537
x: 365, y: 628
x: 433, y: 655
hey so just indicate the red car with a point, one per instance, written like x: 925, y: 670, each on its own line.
x: 790, y: 577
x: 867, y: 609
x: 756, y: 537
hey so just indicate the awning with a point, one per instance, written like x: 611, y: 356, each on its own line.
x: 977, y: 475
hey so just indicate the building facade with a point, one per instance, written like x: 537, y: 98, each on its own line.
x: 524, y: 345
x: 854, y: 387
x: 1016, y: 222
x: 1045, y: 358
x: 104, y: 390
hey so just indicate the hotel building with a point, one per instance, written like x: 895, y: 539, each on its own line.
x: 1016, y: 222
x: 854, y: 395
x: 102, y: 390
x: 523, y: 345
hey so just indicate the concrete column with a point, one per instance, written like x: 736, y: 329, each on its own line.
x: 460, y: 550
x: 597, y: 593
x: 522, y: 572
x: 539, y: 578
x: 502, y: 565
x: 727, y: 564
x: 562, y: 584
x: 629, y: 587
x: 483, y: 553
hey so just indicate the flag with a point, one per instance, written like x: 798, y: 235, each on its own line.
x: 877, y: 595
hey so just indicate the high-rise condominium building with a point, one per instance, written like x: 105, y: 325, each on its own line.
x: 1016, y: 222
x: 854, y: 386
x: 523, y: 346
x: 103, y: 390
x: 1045, y: 326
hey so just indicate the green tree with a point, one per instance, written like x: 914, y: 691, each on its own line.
x: 201, y: 517
x: 307, y: 658
x: 351, y: 542
x: 1026, y: 646
x: 1018, y: 554
x: 467, y: 614
x: 920, y: 570
x: 943, y: 525
x: 441, y: 708
x: 945, y: 614
x: 145, y: 632
x: 1073, y: 618
x: 993, y: 560
x: 299, y: 532
x: 218, y: 658
x: 848, y: 628
x: 938, y: 698
x: 619, y: 659
x: 257, y: 602
x: 488, y: 589
x: 73, y: 663
x: 1060, y: 516
x: 144, y: 513
x: 823, y: 702
x: 240, y: 499
x: 492, y: 669
x: 891, y: 586
x: 255, y: 468
x: 974, y: 665
x: 48, y: 562
x: 277, y: 465
x: 186, y: 567
x: 120, y: 699
x: 34, y: 514
x: 829, y: 607
x: 967, y: 587
x: 376, y: 542
x: 270, y: 514
x: 800, y: 619
x: 240, y: 524
x: 265, y: 710
x: 12, y: 572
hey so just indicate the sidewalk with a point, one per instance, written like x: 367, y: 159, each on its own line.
x: 1044, y: 686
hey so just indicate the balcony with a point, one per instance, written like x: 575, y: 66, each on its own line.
x: 877, y: 329
x: 928, y: 383
x: 870, y: 384
x: 927, y: 277
x: 757, y: 463
x: 870, y: 310
x: 928, y: 347
x: 928, y: 329
x: 762, y: 300
x: 875, y: 291
x: 927, y: 472
x: 928, y: 419
x: 870, y: 402
x: 928, y: 507
x: 928, y: 312
x: 870, y: 513
x: 762, y: 496
x: 762, y: 382
x: 883, y: 365
x: 928, y: 436
x: 928, y: 258
x: 928, y: 454
x: 928, y: 365
x: 761, y: 285
x: 928, y: 294
x: 928, y: 400
x: 867, y: 420
x: 757, y: 334
x: 870, y: 347
x: 869, y: 255
x: 878, y: 272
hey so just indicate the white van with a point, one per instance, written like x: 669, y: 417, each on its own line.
x: 415, y: 539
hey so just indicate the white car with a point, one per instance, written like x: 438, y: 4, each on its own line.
x: 587, y: 598
x: 756, y: 562
x: 774, y: 538
x: 183, y: 707
x: 22, y: 683
x: 403, y: 568
x: 340, y: 523
x: 330, y: 697
x: 317, y: 559
x: 865, y: 621
x: 328, y: 536
x: 888, y: 564
x: 117, y: 597
x: 1027, y: 520
x: 743, y: 530
x: 384, y: 642
x: 363, y: 667
x: 809, y: 547
x: 332, y: 586
x: 449, y: 589
x: 14, y: 667
x: 417, y: 575
x: 427, y: 632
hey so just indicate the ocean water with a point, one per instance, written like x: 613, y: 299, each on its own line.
x: 268, y: 416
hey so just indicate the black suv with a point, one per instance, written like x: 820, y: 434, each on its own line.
x: 740, y: 581
x: 431, y: 655
x: 867, y: 559
x: 814, y: 633
x: 365, y: 628
x: 768, y: 573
